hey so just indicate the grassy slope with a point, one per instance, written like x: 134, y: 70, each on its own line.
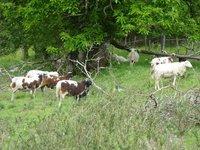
x: 119, y: 120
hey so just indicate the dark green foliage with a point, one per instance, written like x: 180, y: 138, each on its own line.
x: 60, y: 26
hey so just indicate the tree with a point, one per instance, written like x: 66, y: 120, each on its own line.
x: 60, y: 26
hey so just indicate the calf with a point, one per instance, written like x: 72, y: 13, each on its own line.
x: 73, y: 88
x: 24, y: 83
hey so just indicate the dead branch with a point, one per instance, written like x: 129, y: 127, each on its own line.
x: 153, y: 93
x: 106, y: 7
x: 152, y: 97
x: 88, y: 75
x: 3, y: 88
x: 59, y: 68
x: 86, y: 6
x: 119, y: 46
x: 10, y: 77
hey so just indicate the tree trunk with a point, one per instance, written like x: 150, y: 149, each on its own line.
x: 177, y: 45
x: 134, y: 41
x: 120, y: 46
x: 25, y: 54
x: 162, y: 43
x: 125, y: 40
x: 70, y: 65
x: 149, y: 44
x: 145, y: 42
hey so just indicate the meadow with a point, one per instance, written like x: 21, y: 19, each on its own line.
x: 138, y: 117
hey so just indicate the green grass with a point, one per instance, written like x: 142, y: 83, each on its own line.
x: 120, y: 120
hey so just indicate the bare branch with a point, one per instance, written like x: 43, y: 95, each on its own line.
x: 10, y: 77
x: 88, y: 75
x: 159, y: 89
x: 110, y: 5
x: 86, y: 6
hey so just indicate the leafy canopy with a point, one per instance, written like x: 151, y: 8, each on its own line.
x: 59, y: 26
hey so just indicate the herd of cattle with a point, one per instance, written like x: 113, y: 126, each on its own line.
x: 35, y: 79
x: 160, y: 67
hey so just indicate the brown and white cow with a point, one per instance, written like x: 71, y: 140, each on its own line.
x: 36, y: 73
x: 50, y: 81
x: 24, y: 83
x: 72, y: 88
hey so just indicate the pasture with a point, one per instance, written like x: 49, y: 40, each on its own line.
x: 129, y: 119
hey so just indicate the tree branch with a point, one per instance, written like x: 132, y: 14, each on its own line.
x: 117, y: 45
x: 10, y: 77
x: 88, y: 75
x: 172, y: 55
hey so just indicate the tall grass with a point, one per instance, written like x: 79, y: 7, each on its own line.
x: 117, y: 122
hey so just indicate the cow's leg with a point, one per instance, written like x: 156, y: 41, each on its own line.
x: 13, y: 95
x: 60, y: 102
x: 157, y: 86
x: 42, y: 88
x: 174, y: 82
x: 77, y: 98
x: 61, y: 97
x: 32, y: 92
x: 58, y: 94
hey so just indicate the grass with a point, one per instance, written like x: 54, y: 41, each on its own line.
x: 120, y: 120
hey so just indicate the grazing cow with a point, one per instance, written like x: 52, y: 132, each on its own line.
x: 24, y: 83
x: 33, y: 73
x: 169, y: 70
x: 133, y: 56
x: 73, y: 88
x: 51, y: 81
x: 161, y: 60
x: 47, y: 74
x: 118, y: 58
